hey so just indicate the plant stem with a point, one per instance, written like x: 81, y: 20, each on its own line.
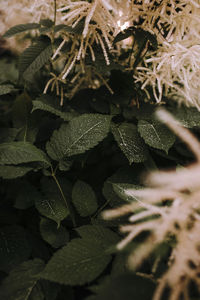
x: 55, y: 8
x: 68, y: 204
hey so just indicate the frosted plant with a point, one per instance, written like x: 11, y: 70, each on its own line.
x: 180, y: 219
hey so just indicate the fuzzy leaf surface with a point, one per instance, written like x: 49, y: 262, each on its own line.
x: 156, y: 134
x: 80, y: 262
x: 130, y: 142
x: 34, y: 58
x: 79, y: 135
x: 20, y: 282
x: 21, y: 152
x: 20, y: 28
x: 84, y: 199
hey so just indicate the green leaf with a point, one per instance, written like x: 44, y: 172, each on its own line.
x: 52, y: 208
x: 34, y: 58
x: 48, y: 103
x: 11, y: 172
x: 124, y: 35
x: 80, y: 262
x: 81, y: 134
x: 126, y: 286
x: 120, y: 190
x: 47, y: 23
x: 188, y: 116
x: 21, y: 152
x: 130, y: 142
x: 84, y: 199
x: 156, y: 134
x: 56, y: 237
x: 65, y: 28
x: 8, y: 134
x: 21, y: 281
x: 14, y: 247
x: 99, y: 234
x: 37, y: 293
x: 126, y: 176
x: 6, y: 89
x: 20, y: 28
x: 50, y: 289
x: 52, y: 205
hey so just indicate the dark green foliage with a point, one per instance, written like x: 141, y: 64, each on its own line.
x: 81, y: 134
x: 84, y: 199
x: 61, y: 166
x: 129, y: 141
x: 20, y: 28
x: 156, y: 134
x: 22, y: 280
x: 21, y: 152
x: 56, y: 237
x: 34, y: 58
x: 89, y: 255
x: 48, y: 103
x: 14, y: 247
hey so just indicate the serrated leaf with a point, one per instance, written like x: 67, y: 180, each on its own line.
x: 52, y: 205
x: 122, y: 176
x: 84, y: 199
x: 130, y: 142
x: 34, y: 58
x: 21, y: 152
x: 120, y: 190
x: 56, y: 237
x: 63, y: 27
x: 46, y: 22
x: 21, y: 281
x: 52, y: 208
x: 20, y: 28
x: 11, y: 172
x: 47, y: 103
x: 156, y: 134
x: 6, y: 89
x: 188, y: 116
x: 81, y: 134
x: 14, y: 247
x: 99, y: 234
x: 80, y: 262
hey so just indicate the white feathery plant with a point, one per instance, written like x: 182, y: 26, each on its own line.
x: 172, y: 70
x: 180, y: 219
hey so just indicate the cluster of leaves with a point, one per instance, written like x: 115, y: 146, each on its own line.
x: 59, y: 167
